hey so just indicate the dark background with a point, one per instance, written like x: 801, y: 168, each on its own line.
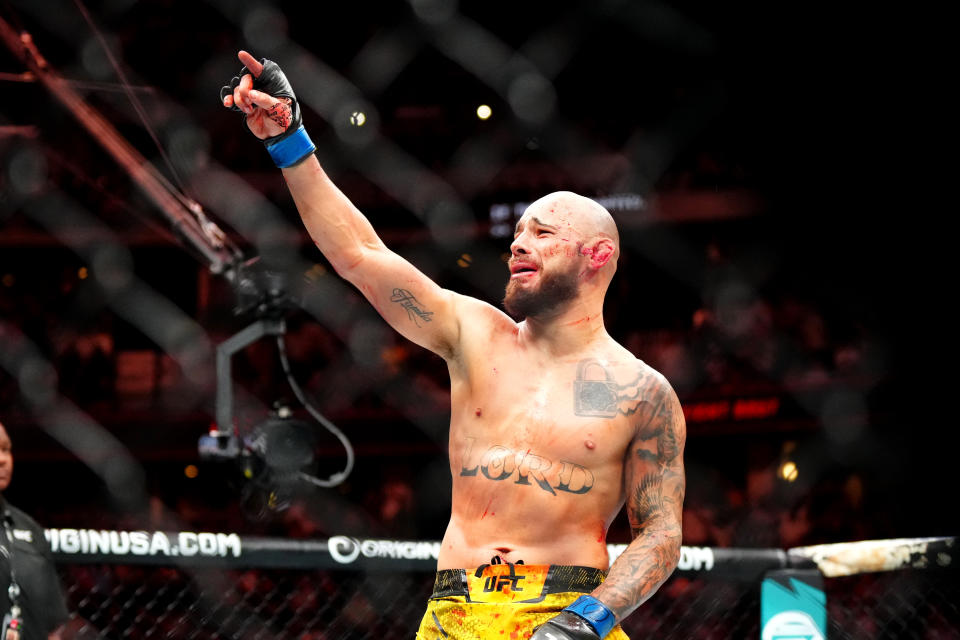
x: 789, y: 155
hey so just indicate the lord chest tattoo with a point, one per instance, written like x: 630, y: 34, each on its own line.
x: 502, y: 464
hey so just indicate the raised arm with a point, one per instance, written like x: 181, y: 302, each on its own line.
x: 406, y: 298
x: 411, y: 302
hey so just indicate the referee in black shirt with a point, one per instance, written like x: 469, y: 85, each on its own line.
x: 31, y: 602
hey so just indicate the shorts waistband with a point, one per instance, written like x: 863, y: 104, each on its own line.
x: 534, y: 580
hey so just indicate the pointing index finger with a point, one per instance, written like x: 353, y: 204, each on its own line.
x: 251, y: 63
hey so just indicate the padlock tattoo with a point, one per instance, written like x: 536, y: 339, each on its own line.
x: 594, y: 390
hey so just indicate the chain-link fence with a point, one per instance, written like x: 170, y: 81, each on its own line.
x: 206, y: 586
x: 118, y: 601
x: 902, y: 604
x: 123, y: 601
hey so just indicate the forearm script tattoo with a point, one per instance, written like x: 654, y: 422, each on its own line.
x: 654, y: 477
x: 412, y: 306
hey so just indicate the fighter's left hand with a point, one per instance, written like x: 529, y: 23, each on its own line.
x: 565, y: 626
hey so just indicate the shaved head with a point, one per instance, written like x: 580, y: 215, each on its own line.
x: 565, y: 246
x: 588, y: 218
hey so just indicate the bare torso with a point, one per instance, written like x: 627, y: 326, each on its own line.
x: 537, y: 463
x: 551, y: 421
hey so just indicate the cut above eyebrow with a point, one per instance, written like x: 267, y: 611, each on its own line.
x: 539, y: 222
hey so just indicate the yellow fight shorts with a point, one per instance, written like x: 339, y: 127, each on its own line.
x: 504, y: 601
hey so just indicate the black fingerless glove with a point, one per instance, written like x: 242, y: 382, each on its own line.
x: 565, y: 626
x: 293, y: 145
x: 585, y: 619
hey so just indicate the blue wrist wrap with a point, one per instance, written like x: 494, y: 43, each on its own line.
x: 594, y: 612
x: 291, y: 149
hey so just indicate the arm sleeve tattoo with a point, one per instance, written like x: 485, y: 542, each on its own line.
x: 655, y: 485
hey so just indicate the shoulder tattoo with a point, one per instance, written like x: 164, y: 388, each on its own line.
x: 597, y: 394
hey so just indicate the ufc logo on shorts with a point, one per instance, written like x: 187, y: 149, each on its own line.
x: 498, y: 583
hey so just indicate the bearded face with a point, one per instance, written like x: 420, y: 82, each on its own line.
x: 545, y: 293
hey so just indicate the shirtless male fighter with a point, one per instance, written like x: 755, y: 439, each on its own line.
x: 553, y: 427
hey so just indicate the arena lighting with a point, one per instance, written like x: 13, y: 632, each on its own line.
x: 788, y: 471
x: 358, y: 118
x: 484, y: 111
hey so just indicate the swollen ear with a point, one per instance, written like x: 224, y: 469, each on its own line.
x: 599, y: 251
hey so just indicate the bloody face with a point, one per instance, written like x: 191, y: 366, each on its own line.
x: 544, y: 271
x: 550, y: 292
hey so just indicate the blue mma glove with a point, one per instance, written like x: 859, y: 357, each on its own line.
x: 565, y: 626
x: 586, y: 619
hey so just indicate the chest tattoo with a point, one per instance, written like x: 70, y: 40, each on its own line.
x: 597, y: 395
x: 499, y: 463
